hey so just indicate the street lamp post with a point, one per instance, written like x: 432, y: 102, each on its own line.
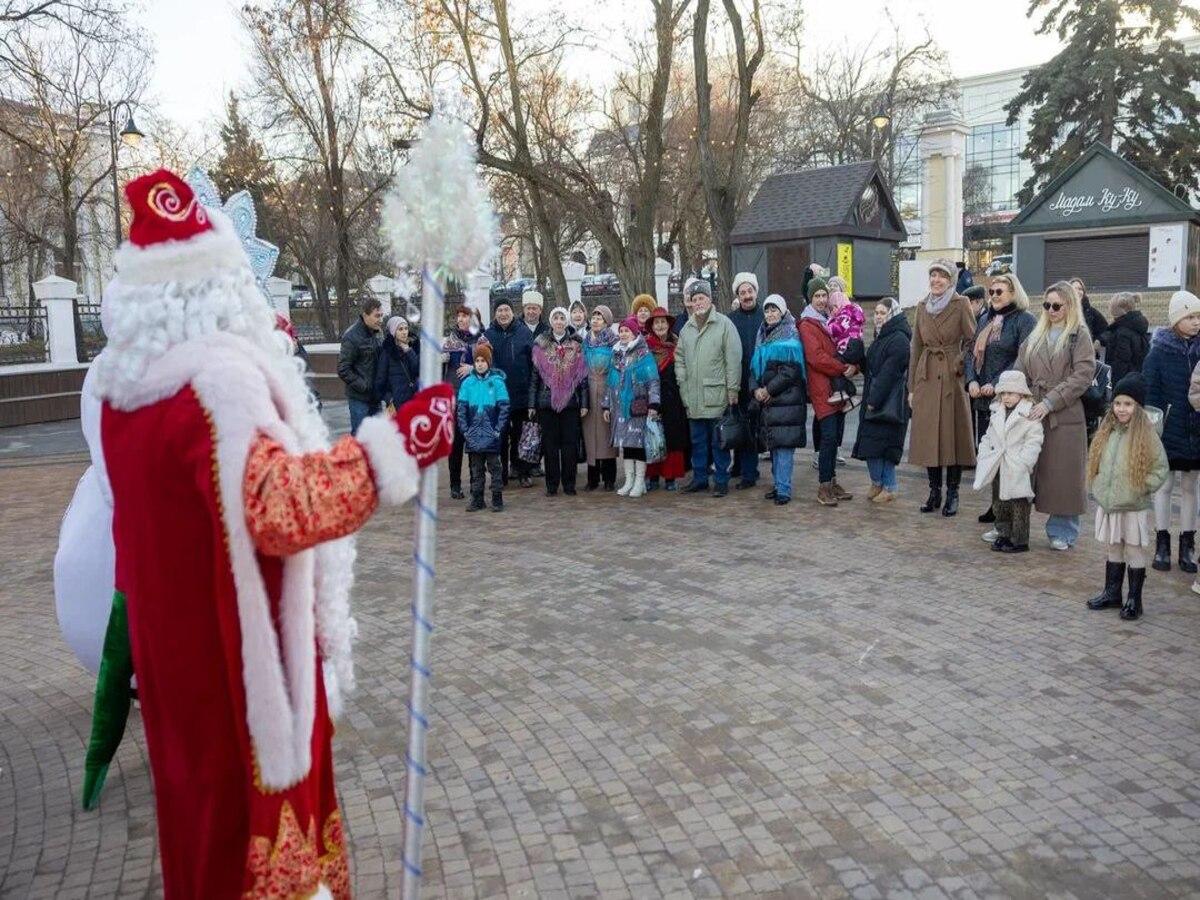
x: 131, y: 136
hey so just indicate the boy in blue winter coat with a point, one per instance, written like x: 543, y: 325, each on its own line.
x: 483, y: 410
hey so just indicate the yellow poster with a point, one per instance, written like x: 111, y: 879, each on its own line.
x: 845, y: 267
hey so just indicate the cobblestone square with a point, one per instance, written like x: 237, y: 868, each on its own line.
x: 686, y: 696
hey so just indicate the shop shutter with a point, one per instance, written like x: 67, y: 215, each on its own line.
x: 1106, y: 262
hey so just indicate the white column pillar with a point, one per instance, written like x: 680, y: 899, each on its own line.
x: 280, y: 292
x: 573, y: 272
x: 479, y: 286
x: 943, y: 148
x: 57, y: 296
x: 382, y: 288
x: 662, y: 275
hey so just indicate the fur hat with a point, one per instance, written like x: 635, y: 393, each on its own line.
x: 642, y: 301
x: 816, y: 284
x: 778, y: 302
x: 1013, y: 382
x: 632, y: 324
x: 1132, y: 386
x: 943, y: 265
x: 745, y: 278
x: 533, y: 298
x: 483, y: 351
x: 699, y: 286
x: 1183, y: 304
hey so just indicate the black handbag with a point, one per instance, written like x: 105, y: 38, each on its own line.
x: 1095, y: 398
x: 732, y: 432
x: 894, y: 409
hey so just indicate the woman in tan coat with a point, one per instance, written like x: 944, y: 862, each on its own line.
x: 1060, y: 363
x: 941, y: 416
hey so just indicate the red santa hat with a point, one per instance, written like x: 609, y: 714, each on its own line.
x: 173, y: 237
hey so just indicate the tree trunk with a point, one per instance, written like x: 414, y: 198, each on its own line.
x: 70, y: 243
x: 551, y: 252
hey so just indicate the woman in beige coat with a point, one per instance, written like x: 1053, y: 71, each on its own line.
x: 1060, y: 363
x: 941, y: 416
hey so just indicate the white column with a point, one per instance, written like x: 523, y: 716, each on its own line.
x: 573, y: 272
x: 479, y: 286
x: 943, y: 148
x: 280, y: 292
x: 662, y: 275
x: 382, y: 288
x: 57, y: 296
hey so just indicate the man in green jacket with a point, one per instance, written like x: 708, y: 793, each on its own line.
x: 708, y: 367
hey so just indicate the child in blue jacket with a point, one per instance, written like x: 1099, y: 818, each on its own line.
x: 483, y: 410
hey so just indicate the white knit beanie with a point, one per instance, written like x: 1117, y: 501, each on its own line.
x: 745, y: 278
x: 1183, y: 304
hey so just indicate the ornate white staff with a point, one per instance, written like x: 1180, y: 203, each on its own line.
x: 437, y: 215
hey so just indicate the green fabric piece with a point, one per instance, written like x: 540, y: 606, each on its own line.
x: 111, y: 707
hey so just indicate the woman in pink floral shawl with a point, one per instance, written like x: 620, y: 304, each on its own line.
x: 558, y: 397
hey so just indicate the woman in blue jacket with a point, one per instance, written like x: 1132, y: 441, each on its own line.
x: 397, y: 366
x: 1174, y: 353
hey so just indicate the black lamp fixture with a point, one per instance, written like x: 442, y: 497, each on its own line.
x: 131, y: 135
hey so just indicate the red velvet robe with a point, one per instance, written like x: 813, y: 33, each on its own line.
x: 222, y: 833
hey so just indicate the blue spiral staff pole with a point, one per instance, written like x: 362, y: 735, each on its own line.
x: 437, y: 215
x: 425, y: 562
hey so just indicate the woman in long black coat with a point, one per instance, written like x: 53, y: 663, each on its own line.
x: 397, y: 366
x: 885, y: 375
x: 662, y: 341
x: 1127, y: 340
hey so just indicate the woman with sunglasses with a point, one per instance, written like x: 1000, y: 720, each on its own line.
x: 1059, y: 362
x: 1003, y: 327
x: 941, y: 417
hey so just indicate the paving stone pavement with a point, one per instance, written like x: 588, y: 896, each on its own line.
x: 688, y: 697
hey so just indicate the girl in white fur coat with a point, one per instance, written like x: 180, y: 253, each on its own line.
x: 1009, y: 451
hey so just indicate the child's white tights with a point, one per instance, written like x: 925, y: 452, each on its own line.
x: 1187, y: 502
x: 1134, y: 556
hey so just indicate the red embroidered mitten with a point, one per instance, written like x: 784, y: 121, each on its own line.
x: 427, y: 424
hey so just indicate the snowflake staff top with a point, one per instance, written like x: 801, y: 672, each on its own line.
x: 438, y: 211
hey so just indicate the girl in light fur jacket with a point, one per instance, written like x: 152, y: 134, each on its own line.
x: 1008, y: 454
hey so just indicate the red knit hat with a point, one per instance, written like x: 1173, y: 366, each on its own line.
x: 164, y: 209
x: 632, y: 324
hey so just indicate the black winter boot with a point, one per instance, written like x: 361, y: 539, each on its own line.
x: 935, y: 489
x: 953, y: 480
x: 1114, y: 580
x: 476, y: 503
x: 1187, y: 551
x: 1162, y: 552
x: 1133, y: 600
x: 987, y: 517
x: 593, y: 477
x: 497, y: 501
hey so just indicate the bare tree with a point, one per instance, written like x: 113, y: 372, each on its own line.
x: 311, y: 96
x: 724, y: 185
x: 62, y: 87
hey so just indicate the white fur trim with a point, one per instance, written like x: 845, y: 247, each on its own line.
x: 323, y: 893
x: 395, y: 469
x: 194, y: 259
x: 745, y: 278
x: 247, y: 392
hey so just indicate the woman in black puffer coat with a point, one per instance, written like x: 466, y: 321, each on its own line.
x: 397, y: 366
x: 1127, y: 340
x: 779, y: 392
x: 881, y: 444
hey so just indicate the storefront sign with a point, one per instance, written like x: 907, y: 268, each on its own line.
x: 1118, y: 199
x: 845, y: 267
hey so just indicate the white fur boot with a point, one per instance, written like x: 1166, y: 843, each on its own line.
x: 639, y: 481
x: 627, y: 484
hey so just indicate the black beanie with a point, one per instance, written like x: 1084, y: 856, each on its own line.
x: 1132, y: 386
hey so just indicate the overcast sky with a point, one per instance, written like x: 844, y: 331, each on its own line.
x: 198, y: 58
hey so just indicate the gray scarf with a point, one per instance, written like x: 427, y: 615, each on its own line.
x: 936, y: 304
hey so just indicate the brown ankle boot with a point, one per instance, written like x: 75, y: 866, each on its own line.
x: 826, y: 495
x: 840, y: 492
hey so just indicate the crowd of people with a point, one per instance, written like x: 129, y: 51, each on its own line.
x: 977, y: 380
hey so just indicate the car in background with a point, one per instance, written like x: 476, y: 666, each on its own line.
x: 519, y: 286
x: 999, y: 264
x: 606, y: 285
x: 498, y: 291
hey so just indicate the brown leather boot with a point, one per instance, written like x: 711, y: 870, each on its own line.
x: 839, y: 492
x: 826, y: 496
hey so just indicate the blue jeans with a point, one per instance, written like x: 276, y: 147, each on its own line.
x: 830, y: 434
x: 745, y: 461
x: 782, y: 461
x: 705, y: 449
x: 360, y: 410
x: 883, y: 473
x: 1065, y: 528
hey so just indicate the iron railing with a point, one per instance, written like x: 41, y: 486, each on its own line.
x: 306, y: 320
x: 89, y: 333
x: 23, y: 336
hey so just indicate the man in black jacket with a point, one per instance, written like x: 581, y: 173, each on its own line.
x: 512, y: 349
x: 746, y: 317
x: 356, y: 362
